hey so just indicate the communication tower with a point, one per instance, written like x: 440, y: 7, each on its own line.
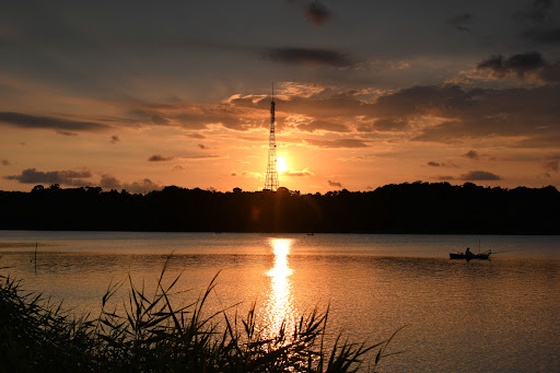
x: 271, y: 182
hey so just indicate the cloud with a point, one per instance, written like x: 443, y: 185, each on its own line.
x: 322, y: 125
x: 342, y: 143
x: 237, y: 114
x: 451, y: 113
x: 538, y: 12
x: 63, y: 126
x: 551, y: 73
x: 552, y: 164
x: 445, y: 178
x: 200, y: 156
x: 479, y: 176
x: 67, y: 133
x: 32, y: 176
x: 335, y: 184
x: 141, y: 186
x: 160, y: 158
x: 5, y: 162
x: 304, y: 172
x: 390, y: 124
x: 520, y: 64
x: 77, y: 178
x: 251, y: 174
x: 115, y: 139
x: 539, y: 22
x: 146, y: 185
x: 151, y: 116
x: 471, y: 154
x: 440, y: 164
x: 545, y: 35
x: 309, y: 56
x: 317, y: 13
x: 109, y: 182
x: 461, y: 21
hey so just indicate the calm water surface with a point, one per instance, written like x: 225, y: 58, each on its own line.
x: 483, y: 316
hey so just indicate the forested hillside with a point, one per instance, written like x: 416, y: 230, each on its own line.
x: 403, y: 208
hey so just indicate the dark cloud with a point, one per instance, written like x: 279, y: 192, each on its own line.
x: 307, y: 56
x: 479, y: 176
x: 202, y: 146
x: 551, y: 73
x: 109, y: 182
x: 115, y: 139
x: 539, y: 22
x: 440, y: 164
x: 390, y: 124
x: 544, y: 35
x: 324, y: 108
x: 538, y: 12
x: 151, y: 116
x: 342, y: 143
x: 59, y: 124
x: 461, y: 21
x: 142, y: 186
x: 5, y: 162
x: 322, y: 125
x: 445, y: 178
x: 335, y: 184
x: 67, y: 133
x: 520, y: 64
x: 471, y: 154
x: 317, y: 13
x: 234, y: 115
x: 466, y: 114
x: 160, y: 158
x: 32, y: 176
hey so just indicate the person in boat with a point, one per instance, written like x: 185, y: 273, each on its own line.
x: 469, y: 253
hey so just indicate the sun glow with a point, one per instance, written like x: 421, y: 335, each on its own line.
x: 281, y: 165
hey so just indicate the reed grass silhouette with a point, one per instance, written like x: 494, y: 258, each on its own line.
x: 150, y: 334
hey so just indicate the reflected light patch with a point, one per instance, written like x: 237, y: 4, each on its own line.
x: 279, y: 308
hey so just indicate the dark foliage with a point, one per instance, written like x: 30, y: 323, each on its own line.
x: 405, y: 208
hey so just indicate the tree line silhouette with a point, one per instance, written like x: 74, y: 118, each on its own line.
x: 418, y: 207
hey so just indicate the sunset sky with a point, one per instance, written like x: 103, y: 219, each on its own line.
x: 143, y: 94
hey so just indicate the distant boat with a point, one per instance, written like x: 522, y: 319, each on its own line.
x: 458, y: 255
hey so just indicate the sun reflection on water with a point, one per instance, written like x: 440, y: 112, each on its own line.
x: 279, y: 307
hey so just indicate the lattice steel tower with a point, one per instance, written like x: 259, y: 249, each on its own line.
x: 271, y: 182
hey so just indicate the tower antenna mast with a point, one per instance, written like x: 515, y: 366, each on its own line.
x: 271, y: 182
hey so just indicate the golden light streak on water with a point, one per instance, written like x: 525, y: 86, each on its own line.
x: 279, y: 304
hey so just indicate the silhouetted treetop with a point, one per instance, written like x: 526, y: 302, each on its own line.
x: 417, y: 207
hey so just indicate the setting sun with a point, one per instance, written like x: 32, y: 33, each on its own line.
x: 281, y: 165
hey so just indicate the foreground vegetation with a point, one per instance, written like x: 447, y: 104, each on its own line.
x: 149, y: 334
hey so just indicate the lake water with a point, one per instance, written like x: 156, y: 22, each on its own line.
x: 501, y: 315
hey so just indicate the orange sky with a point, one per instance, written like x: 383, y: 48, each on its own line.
x: 140, y: 96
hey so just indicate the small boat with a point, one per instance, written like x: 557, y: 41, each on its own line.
x: 458, y: 255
